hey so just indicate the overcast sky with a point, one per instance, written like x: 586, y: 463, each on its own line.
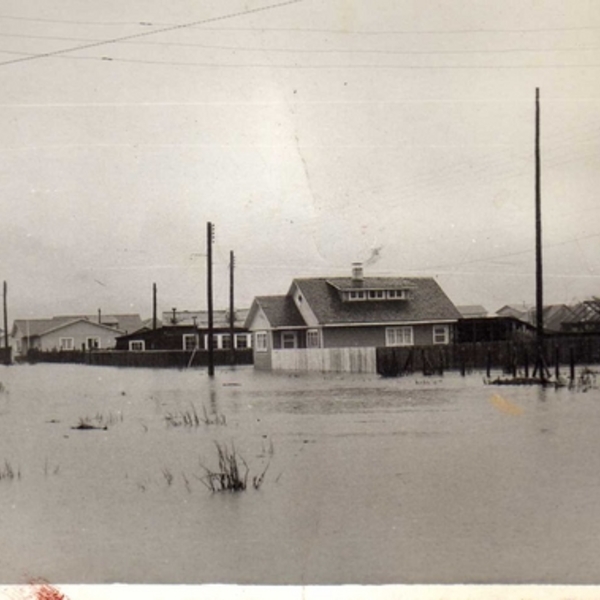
x: 313, y: 134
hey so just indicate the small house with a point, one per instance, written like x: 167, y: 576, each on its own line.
x: 336, y: 323
x: 62, y: 334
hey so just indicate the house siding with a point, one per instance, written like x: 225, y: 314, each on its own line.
x: 354, y: 337
x: 79, y: 332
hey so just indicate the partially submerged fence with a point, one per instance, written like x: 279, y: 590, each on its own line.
x: 510, y: 357
x: 179, y: 359
x: 332, y: 360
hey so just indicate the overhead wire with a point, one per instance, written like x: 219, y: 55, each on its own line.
x: 309, y: 50
x: 133, y: 36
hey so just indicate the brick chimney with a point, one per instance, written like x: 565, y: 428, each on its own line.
x: 357, y: 273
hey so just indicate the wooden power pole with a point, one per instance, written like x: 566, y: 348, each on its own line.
x: 6, y: 349
x: 540, y: 363
x: 231, y: 308
x: 209, y: 294
x: 154, y: 307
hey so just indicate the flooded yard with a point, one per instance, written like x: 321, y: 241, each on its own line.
x: 368, y: 480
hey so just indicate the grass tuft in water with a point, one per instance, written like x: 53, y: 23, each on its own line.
x: 7, y: 472
x: 168, y: 476
x: 232, y: 472
x: 190, y: 418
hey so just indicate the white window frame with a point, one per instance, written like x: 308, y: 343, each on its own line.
x: 313, y: 338
x: 184, y: 341
x: 261, y: 341
x: 357, y: 295
x: 399, y: 336
x: 445, y: 331
x: 142, y: 344
x: 223, y: 337
x: 245, y: 343
x: 292, y: 335
x: 66, y: 343
x: 216, y: 341
x: 396, y: 294
x: 376, y: 295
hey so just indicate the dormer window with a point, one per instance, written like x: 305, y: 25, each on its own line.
x: 357, y: 295
x: 396, y: 294
x: 376, y: 294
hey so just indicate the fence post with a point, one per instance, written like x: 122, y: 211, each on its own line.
x: 526, y: 362
x: 488, y: 364
x: 462, y: 362
x: 556, y: 361
x: 572, y: 363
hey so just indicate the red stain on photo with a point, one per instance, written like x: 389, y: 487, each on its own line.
x: 42, y: 590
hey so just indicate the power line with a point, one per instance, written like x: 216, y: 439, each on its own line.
x: 263, y: 49
x: 149, y: 23
x: 154, y: 32
x: 296, y: 66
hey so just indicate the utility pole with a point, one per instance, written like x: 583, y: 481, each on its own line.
x: 6, y: 349
x: 540, y: 365
x: 209, y: 292
x: 231, y: 308
x: 154, y: 307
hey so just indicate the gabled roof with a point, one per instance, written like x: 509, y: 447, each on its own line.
x: 427, y: 301
x: 41, y: 327
x: 126, y: 322
x: 279, y: 310
x: 469, y: 311
x: 584, y: 312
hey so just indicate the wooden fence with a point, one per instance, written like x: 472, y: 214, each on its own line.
x: 510, y: 357
x: 179, y: 359
x: 333, y: 360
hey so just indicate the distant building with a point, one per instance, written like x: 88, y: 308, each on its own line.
x: 188, y: 330
x: 472, y: 311
x: 70, y: 332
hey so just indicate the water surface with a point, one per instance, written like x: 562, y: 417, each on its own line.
x: 372, y: 481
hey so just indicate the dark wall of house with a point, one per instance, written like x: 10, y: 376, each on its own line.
x: 168, y: 338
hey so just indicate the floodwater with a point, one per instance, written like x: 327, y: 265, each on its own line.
x: 370, y: 481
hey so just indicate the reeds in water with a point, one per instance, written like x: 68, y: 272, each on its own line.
x: 232, y: 472
x: 190, y: 418
x: 7, y: 473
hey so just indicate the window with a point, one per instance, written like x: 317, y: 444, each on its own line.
x: 137, y: 345
x: 241, y: 340
x: 357, y: 295
x: 92, y: 343
x: 441, y: 334
x: 313, y: 339
x: 376, y: 294
x: 260, y: 341
x: 226, y: 342
x: 67, y: 343
x: 215, y: 341
x: 190, y: 341
x: 399, y: 336
x: 393, y: 294
x: 288, y: 340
